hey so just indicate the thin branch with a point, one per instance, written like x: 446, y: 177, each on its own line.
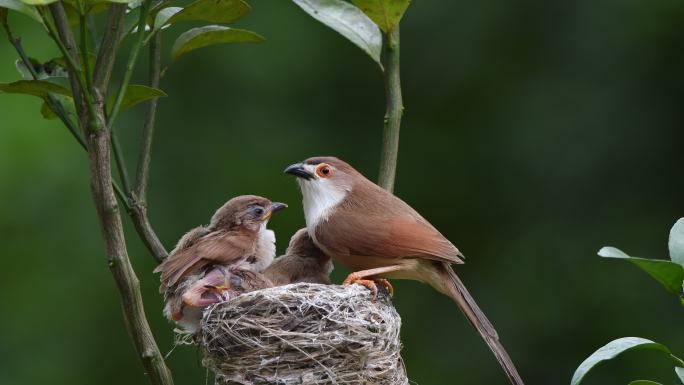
x: 130, y: 65
x: 103, y: 192
x: 394, y: 111
x: 93, y: 31
x: 106, y: 55
x: 117, y: 258
x: 120, y: 163
x: 142, y: 175
x: 64, y: 39
x: 53, y: 103
x: 139, y: 195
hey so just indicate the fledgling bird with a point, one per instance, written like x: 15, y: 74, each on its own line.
x: 236, y: 238
x: 377, y: 234
x: 302, y: 262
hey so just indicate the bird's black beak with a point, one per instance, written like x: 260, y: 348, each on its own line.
x: 299, y: 171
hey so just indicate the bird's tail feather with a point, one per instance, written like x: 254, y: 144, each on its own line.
x: 458, y: 292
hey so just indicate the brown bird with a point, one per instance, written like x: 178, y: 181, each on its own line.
x: 302, y: 262
x: 377, y: 234
x: 236, y: 238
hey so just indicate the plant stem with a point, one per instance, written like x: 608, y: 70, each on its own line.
x: 103, y: 193
x: 117, y: 258
x: 393, y: 112
x: 106, y: 54
x: 139, y: 196
x: 142, y: 175
x: 52, y: 102
x: 64, y: 39
x: 120, y: 163
x: 130, y: 65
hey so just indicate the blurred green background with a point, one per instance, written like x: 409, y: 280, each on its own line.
x: 535, y: 132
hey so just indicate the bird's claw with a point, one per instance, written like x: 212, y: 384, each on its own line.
x: 371, y: 285
x: 386, y: 284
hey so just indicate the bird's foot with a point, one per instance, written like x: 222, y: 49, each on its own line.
x: 386, y: 284
x: 370, y: 284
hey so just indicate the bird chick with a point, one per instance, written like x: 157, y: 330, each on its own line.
x: 302, y: 262
x: 236, y: 238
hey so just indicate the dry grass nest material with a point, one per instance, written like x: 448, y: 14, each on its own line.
x: 304, y: 334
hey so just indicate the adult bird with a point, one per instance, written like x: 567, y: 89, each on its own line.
x: 236, y: 238
x: 377, y: 234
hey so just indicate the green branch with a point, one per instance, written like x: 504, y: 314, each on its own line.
x: 394, y: 110
x: 139, y: 195
x: 130, y: 65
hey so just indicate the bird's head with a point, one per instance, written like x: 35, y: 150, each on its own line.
x: 301, y: 244
x: 325, y: 172
x: 245, y: 211
x: 325, y: 181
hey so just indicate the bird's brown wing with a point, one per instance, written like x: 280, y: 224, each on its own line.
x: 390, y: 236
x: 212, y: 248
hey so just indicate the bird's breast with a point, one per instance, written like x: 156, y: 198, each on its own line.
x: 265, y: 250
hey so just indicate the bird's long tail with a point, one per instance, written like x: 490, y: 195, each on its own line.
x: 458, y: 292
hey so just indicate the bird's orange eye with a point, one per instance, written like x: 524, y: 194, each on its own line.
x: 324, y: 171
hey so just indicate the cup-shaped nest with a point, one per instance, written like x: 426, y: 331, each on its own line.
x: 304, y: 334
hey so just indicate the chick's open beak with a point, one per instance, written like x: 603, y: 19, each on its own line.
x: 299, y: 171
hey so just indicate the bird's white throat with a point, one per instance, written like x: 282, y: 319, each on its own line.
x: 319, y: 198
x: 265, y: 249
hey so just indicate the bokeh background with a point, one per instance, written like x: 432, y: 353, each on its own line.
x: 535, y: 132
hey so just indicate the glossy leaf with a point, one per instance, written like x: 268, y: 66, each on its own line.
x: 21, y: 7
x: 38, y: 88
x: 210, y: 35
x: 612, y: 350
x: 680, y: 373
x: 676, y: 242
x: 385, y: 13
x: 164, y: 15
x: 135, y: 94
x: 669, y: 274
x: 644, y: 382
x: 348, y: 21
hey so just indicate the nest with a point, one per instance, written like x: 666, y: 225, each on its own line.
x: 304, y: 334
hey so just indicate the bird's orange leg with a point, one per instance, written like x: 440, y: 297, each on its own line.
x: 358, y: 277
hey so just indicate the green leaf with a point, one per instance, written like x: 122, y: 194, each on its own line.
x: 67, y: 103
x: 612, y: 350
x: 210, y: 35
x: 385, y: 13
x: 644, y: 382
x: 213, y: 11
x: 680, y: 373
x: 38, y: 88
x: 676, y: 242
x: 21, y: 7
x: 135, y: 94
x: 669, y: 274
x: 348, y: 21
x: 164, y: 15
x: 38, y: 2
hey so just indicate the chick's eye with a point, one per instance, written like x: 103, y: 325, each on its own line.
x: 259, y: 211
x: 324, y: 171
